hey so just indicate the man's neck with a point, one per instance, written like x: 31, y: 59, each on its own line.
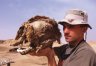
x: 74, y: 43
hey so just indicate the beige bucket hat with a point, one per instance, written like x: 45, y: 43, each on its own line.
x: 76, y: 17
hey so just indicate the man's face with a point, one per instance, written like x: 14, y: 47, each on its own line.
x: 73, y: 32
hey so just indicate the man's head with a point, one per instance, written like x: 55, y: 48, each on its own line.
x: 75, y: 24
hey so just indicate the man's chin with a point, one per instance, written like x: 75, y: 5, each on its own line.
x: 68, y: 40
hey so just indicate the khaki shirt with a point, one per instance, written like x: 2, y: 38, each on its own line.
x: 83, y: 55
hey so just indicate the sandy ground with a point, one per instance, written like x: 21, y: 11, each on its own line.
x: 21, y: 60
x: 26, y: 60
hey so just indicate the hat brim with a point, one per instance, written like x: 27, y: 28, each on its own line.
x: 63, y: 22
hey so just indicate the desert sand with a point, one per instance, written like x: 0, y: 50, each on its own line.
x: 21, y: 60
x: 26, y: 60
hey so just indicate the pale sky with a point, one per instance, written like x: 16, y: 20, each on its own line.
x: 14, y: 12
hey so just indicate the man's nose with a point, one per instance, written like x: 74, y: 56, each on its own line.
x: 66, y: 30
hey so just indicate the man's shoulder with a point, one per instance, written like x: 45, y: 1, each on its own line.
x: 85, y: 48
x: 83, y: 54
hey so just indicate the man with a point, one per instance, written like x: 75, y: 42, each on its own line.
x: 77, y: 52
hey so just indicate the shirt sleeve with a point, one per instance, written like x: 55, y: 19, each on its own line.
x: 83, y: 58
